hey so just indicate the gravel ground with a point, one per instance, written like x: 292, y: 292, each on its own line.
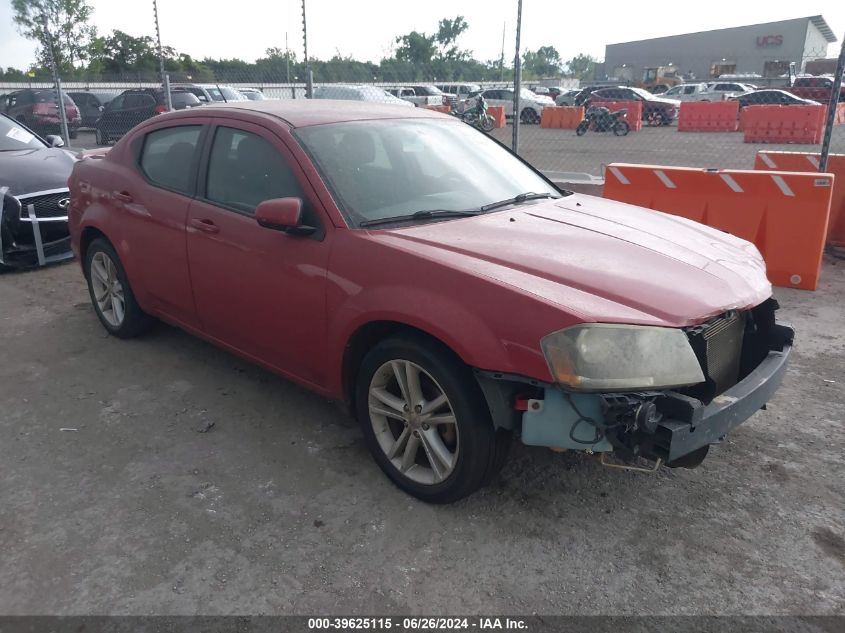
x: 190, y: 482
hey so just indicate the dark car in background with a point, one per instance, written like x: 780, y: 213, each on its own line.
x: 38, y: 110
x: 33, y: 172
x: 771, y: 97
x: 91, y: 105
x: 656, y: 110
x: 132, y: 107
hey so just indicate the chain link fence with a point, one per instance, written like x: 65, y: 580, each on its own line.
x: 99, y: 110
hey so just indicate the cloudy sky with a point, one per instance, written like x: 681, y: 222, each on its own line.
x: 365, y: 29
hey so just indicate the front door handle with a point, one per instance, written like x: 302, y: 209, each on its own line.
x: 204, y: 225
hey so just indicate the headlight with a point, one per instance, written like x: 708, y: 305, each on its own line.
x: 599, y: 356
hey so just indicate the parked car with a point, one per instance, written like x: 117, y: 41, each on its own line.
x: 657, y: 110
x: 531, y: 105
x: 420, y: 95
x: 567, y: 97
x: 815, y: 88
x: 691, y: 92
x: 131, y: 107
x: 339, y: 247
x: 352, y: 92
x: 38, y: 110
x: 252, y: 94
x: 209, y: 93
x: 461, y: 91
x: 584, y: 94
x: 771, y: 97
x: 721, y: 90
x: 33, y: 171
x: 91, y: 105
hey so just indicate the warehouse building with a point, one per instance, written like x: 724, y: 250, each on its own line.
x: 758, y: 50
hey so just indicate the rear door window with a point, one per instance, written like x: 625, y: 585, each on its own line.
x: 168, y: 157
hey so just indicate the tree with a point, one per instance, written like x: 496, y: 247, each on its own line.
x: 544, y: 62
x: 448, y: 32
x: 581, y: 66
x: 67, y: 23
x: 415, y: 47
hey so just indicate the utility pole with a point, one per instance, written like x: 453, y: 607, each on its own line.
x: 165, y: 79
x: 309, y: 76
x: 502, y: 58
x: 517, y: 80
x: 60, y: 95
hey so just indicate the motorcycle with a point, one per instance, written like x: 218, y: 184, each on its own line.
x: 600, y: 119
x: 477, y: 116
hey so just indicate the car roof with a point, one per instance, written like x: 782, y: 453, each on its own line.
x: 306, y: 112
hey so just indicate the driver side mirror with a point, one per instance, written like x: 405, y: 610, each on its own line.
x: 283, y: 214
x: 53, y: 140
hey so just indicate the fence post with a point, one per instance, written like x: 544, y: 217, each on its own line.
x: 165, y: 79
x: 57, y: 80
x: 831, y: 108
x: 517, y: 81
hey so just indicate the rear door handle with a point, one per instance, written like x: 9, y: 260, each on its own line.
x: 204, y: 225
x: 123, y: 196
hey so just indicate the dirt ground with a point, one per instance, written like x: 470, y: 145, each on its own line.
x: 278, y: 509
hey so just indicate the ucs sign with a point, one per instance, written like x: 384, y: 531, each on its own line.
x: 764, y: 41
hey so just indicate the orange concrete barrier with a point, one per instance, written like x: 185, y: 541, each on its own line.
x: 571, y: 116
x: 547, y: 116
x: 808, y: 161
x: 840, y: 114
x: 439, y: 108
x: 784, y: 124
x: 634, y: 108
x: 498, y: 114
x: 785, y: 214
x: 703, y: 116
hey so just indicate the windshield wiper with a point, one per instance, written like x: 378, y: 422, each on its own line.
x: 528, y: 195
x: 421, y: 215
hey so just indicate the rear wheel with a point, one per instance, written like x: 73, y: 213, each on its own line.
x: 112, y: 297
x: 426, y: 421
x: 621, y: 128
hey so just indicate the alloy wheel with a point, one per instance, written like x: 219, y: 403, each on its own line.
x: 108, y: 291
x: 413, y: 422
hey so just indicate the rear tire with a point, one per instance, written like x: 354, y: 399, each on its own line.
x: 402, y: 437
x: 109, y: 288
x: 582, y: 128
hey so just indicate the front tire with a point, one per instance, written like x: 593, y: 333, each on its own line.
x: 487, y: 123
x: 100, y: 138
x: 621, y: 128
x: 582, y: 128
x: 529, y: 116
x: 110, y: 292
x: 426, y: 421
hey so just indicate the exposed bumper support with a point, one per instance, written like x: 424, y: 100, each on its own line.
x: 688, y: 425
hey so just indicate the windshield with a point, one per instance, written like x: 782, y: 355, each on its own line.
x: 431, y: 90
x: 13, y: 137
x: 386, y: 168
x: 51, y: 96
x: 231, y: 94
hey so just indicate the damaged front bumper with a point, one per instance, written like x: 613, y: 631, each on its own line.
x: 665, y: 425
x: 29, y: 238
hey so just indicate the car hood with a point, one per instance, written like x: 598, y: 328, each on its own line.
x: 29, y: 170
x: 600, y: 260
x: 665, y: 100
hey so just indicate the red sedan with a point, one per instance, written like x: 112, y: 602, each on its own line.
x: 407, y: 264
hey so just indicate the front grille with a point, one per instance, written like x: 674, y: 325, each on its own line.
x: 46, y: 204
x: 718, y: 346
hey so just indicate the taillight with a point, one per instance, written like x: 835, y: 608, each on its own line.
x: 161, y: 109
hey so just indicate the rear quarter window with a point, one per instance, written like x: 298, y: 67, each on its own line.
x: 167, y: 157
